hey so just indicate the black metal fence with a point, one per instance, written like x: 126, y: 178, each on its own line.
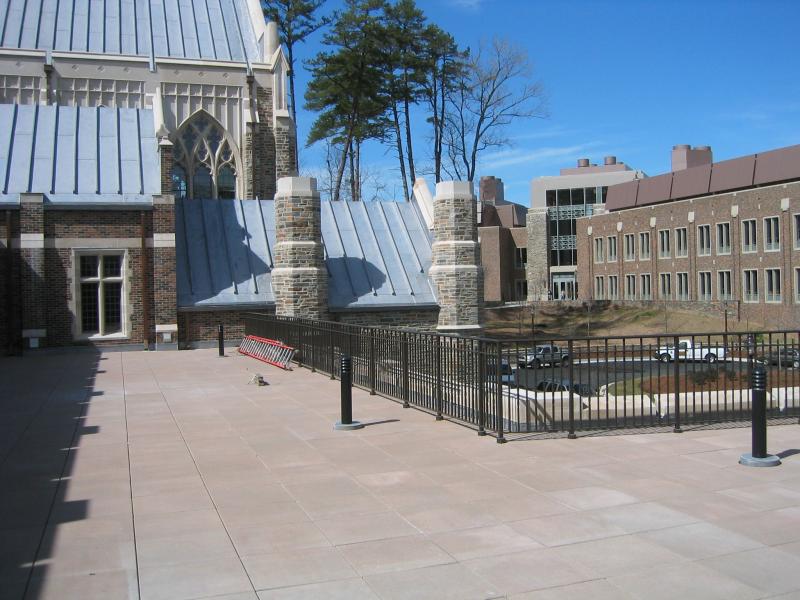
x: 525, y: 386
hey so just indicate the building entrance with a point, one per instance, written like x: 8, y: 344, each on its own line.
x: 564, y: 287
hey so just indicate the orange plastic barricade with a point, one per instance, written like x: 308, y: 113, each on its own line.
x: 268, y: 351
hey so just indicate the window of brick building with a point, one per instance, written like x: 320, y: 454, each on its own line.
x: 772, y: 285
x: 644, y: 245
x: 521, y: 289
x: 772, y: 234
x: 750, y: 285
x: 704, y: 293
x: 703, y: 240
x: 683, y: 286
x: 665, y: 286
x: 611, y: 255
x: 630, y: 247
x: 646, y: 288
x: 100, y: 294
x: 630, y: 287
x: 749, y: 236
x: 205, y: 162
x: 613, y: 287
x: 797, y: 284
x: 521, y: 258
x: 723, y: 238
x: 664, y: 250
x: 797, y: 231
x: 724, y: 287
x: 599, y: 288
x: 598, y: 250
x: 681, y: 242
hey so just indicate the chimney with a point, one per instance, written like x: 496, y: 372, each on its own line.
x: 491, y: 190
x: 583, y: 162
x: 610, y: 160
x: 686, y: 157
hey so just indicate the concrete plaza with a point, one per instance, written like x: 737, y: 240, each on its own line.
x: 167, y: 476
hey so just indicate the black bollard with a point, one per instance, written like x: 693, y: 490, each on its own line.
x: 758, y: 456
x: 221, y: 340
x: 347, y: 422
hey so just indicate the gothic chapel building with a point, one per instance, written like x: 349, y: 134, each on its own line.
x: 141, y: 144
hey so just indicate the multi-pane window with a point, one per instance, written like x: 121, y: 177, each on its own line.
x: 704, y: 286
x: 724, y: 288
x: 521, y: 258
x: 599, y: 288
x: 797, y: 284
x: 750, y: 285
x: 772, y: 285
x: 683, y: 286
x: 797, y: 231
x: 598, y: 250
x: 646, y: 290
x: 611, y: 256
x: 630, y: 287
x: 665, y: 286
x: 644, y: 245
x: 613, y: 287
x: 204, y: 162
x: 772, y: 234
x: 749, y: 236
x: 100, y: 298
x: 630, y: 247
x: 723, y: 238
x: 703, y: 240
x: 681, y: 242
x: 664, y: 249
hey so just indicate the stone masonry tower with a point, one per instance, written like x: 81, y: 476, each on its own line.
x: 456, y: 269
x: 299, y: 279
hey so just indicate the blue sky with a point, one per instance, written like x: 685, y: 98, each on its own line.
x: 628, y: 78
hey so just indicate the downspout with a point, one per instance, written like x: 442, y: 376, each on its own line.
x: 143, y: 269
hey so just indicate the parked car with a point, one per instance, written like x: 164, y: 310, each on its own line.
x: 506, y: 372
x: 551, y: 385
x: 544, y: 355
x: 687, y: 350
x: 783, y: 357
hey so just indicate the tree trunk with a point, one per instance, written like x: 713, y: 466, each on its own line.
x: 409, y: 148
x: 400, y: 155
x: 342, y: 163
x: 293, y: 108
x: 353, y: 196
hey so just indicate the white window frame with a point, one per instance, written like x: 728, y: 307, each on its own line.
x: 645, y: 289
x: 752, y: 226
x: 630, y: 294
x: 774, y: 246
x: 702, y: 278
x: 681, y: 250
x: 78, y: 332
x: 599, y: 288
x: 665, y: 291
x: 613, y: 290
x: 599, y: 250
x: 664, y: 250
x: 796, y: 221
x: 630, y: 256
x: 797, y: 285
x: 682, y: 276
x: 749, y: 296
x: 769, y: 282
x: 701, y: 250
x: 611, y: 244
x: 724, y: 226
x: 721, y: 293
x: 644, y: 245
x: 520, y: 257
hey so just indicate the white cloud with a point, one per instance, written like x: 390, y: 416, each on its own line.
x: 507, y: 158
x: 473, y: 5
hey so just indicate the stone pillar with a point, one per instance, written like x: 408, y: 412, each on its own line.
x: 299, y: 279
x: 537, y: 271
x: 34, y: 290
x: 165, y: 281
x: 456, y: 269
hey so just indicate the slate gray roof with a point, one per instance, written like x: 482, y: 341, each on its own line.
x: 78, y: 155
x: 194, y: 29
x: 377, y: 254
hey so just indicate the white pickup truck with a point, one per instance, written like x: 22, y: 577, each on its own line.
x: 686, y: 350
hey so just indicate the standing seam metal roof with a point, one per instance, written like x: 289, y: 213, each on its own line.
x: 192, y: 29
x: 377, y: 254
x: 78, y: 154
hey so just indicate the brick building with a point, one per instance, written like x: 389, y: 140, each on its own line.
x: 722, y: 235
x: 141, y: 144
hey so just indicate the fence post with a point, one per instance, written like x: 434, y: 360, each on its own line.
x: 482, y: 388
x: 372, y: 362
x: 299, y: 345
x: 404, y: 367
x: 313, y: 348
x: 220, y: 340
x: 758, y: 456
x: 438, y: 374
x: 676, y: 380
x: 498, y: 374
x: 346, y: 397
x: 571, y: 435
x: 331, y: 352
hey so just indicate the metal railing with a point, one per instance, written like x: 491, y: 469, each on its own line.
x: 554, y: 385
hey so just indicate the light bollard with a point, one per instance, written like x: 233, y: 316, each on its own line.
x: 758, y: 456
x: 346, y: 423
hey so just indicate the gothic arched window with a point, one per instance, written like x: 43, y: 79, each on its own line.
x: 204, y: 160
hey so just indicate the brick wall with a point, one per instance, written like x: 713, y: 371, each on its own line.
x: 201, y: 326
x: 10, y: 325
x: 424, y: 320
